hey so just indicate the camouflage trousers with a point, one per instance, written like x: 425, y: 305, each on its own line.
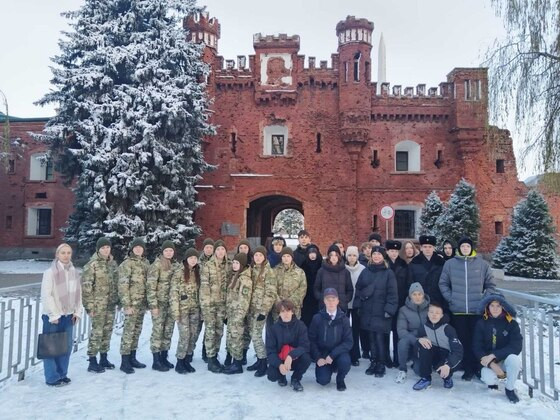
x: 235, y: 339
x: 255, y: 329
x: 188, y: 333
x: 213, y: 329
x: 101, y: 330
x: 131, y: 330
x: 162, y: 330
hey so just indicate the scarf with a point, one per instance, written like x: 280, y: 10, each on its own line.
x: 69, y: 298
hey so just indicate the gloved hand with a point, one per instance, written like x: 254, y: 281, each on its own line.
x: 261, y: 317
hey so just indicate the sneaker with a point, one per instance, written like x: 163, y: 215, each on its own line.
x: 371, y: 369
x: 493, y: 387
x: 282, y: 381
x: 401, y: 377
x: 57, y: 384
x: 296, y: 385
x: 512, y: 396
x: 448, y: 383
x: 66, y: 380
x: 379, y: 370
x: 467, y: 376
x: 423, y: 383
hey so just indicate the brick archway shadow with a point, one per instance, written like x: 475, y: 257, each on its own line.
x: 262, y: 212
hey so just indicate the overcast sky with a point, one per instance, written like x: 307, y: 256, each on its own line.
x: 425, y: 39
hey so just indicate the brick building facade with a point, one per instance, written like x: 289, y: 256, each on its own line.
x: 316, y: 137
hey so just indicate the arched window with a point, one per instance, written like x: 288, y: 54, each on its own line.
x: 407, y: 156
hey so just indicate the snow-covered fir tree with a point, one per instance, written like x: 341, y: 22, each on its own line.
x: 132, y: 111
x: 461, y: 216
x: 433, y: 208
x: 289, y: 221
x: 530, y: 248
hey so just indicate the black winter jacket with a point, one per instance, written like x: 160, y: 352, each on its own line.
x: 427, y: 273
x: 376, y: 298
x: 499, y: 336
x: 337, y: 277
x: 400, y: 268
x: 300, y: 254
x: 330, y: 337
x: 293, y: 333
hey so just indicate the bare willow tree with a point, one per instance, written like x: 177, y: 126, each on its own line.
x: 524, y: 78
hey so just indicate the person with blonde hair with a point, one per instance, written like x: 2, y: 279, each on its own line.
x: 61, y: 295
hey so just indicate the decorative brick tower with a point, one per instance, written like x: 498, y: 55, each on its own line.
x: 354, y: 50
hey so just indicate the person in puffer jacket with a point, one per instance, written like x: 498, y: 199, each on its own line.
x: 497, y: 343
x: 411, y: 317
x: 438, y: 348
x: 464, y: 281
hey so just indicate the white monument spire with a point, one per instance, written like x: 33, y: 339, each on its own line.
x: 381, y: 64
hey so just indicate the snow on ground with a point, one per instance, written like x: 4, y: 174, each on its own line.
x: 23, y: 266
x: 204, y: 395
x: 513, y: 278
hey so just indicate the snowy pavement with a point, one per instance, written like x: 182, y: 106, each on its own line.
x: 203, y: 395
x: 23, y: 266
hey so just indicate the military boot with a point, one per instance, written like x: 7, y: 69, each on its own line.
x: 234, y: 368
x: 94, y: 367
x: 227, y: 362
x: 126, y: 366
x: 104, y: 362
x: 157, y: 365
x: 135, y: 363
x: 180, y: 367
x: 214, y: 366
x: 188, y: 365
x: 163, y: 358
x: 261, y: 370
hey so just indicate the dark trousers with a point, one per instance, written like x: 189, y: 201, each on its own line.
x: 377, y: 346
x: 324, y: 373
x: 431, y: 359
x: 464, y: 325
x: 299, y: 367
x: 355, y: 321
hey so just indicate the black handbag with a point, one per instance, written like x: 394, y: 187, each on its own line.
x: 52, y: 345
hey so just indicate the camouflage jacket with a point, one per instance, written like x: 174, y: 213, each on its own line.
x: 291, y: 284
x: 99, y: 284
x: 203, y: 259
x: 239, y: 295
x: 159, y: 283
x: 133, y: 273
x: 213, y: 283
x: 264, y: 289
x: 183, y: 296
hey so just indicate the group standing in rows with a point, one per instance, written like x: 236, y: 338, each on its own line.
x: 439, y: 311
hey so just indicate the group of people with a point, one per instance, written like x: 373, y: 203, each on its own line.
x: 439, y: 311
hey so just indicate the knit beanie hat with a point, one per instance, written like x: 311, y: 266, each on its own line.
x: 241, y: 258
x: 101, y: 242
x: 208, y: 241
x: 191, y: 252
x: 219, y: 243
x: 379, y: 249
x: 168, y: 244
x: 375, y: 236
x: 352, y: 250
x: 287, y: 251
x: 244, y: 242
x: 138, y: 242
x: 465, y: 240
x: 415, y: 287
x: 261, y: 249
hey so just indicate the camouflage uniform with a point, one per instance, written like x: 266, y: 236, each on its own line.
x: 158, y: 288
x: 291, y: 284
x: 132, y: 294
x: 264, y: 297
x: 239, y: 294
x: 185, y: 308
x: 202, y: 259
x: 99, y: 297
x: 213, y: 287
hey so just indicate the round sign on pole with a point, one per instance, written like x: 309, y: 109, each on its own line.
x: 387, y: 212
